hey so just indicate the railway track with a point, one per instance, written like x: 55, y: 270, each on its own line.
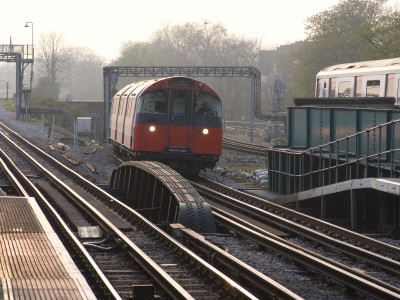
x: 356, y: 280
x: 209, y: 252
x: 350, y: 244
x: 243, y: 147
x: 339, y: 233
x: 177, y: 272
x: 331, y: 267
x: 26, y: 188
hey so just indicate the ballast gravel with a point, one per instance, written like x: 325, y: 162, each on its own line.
x: 101, y: 159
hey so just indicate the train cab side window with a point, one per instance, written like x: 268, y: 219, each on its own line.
x: 207, y: 106
x: 373, y: 87
x: 153, y: 102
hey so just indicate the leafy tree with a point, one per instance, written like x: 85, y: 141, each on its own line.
x: 284, y: 64
x: 383, y: 37
x: 136, y: 53
x: 334, y: 36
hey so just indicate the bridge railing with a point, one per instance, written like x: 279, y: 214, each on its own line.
x: 26, y: 51
x: 374, y: 152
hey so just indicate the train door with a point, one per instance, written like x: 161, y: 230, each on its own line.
x: 396, y: 88
x: 121, y: 118
x: 179, y: 128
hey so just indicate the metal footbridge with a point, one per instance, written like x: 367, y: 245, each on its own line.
x: 341, y: 164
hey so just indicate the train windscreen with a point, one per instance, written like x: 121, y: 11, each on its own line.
x: 208, y: 105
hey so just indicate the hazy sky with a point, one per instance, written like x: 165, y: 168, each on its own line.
x: 104, y: 25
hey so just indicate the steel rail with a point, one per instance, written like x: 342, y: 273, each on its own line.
x: 295, y: 252
x: 107, y: 288
x: 243, y: 147
x: 262, y: 282
x: 165, y: 281
x: 12, y: 171
x: 302, y: 230
x: 162, y: 278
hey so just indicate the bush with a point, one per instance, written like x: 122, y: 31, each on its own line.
x: 9, y: 104
x: 74, y: 110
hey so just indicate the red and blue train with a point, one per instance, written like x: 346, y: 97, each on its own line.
x: 174, y: 120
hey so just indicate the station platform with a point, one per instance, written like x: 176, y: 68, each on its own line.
x: 384, y: 185
x: 366, y: 205
x: 33, y: 262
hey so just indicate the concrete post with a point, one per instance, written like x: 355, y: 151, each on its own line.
x: 107, y: 102
x: 353, y: 210
x: 252, y: 101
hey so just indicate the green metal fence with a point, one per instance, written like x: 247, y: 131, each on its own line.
x: 373, y: 152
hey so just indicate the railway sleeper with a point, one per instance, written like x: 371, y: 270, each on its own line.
x: 75, y: 217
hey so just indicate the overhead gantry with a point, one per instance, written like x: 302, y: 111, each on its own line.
x: 112, y: 73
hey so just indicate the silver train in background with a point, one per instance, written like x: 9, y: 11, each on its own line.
x: 375, y: 78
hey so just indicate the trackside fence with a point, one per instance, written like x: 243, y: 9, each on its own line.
x: 374, y: 152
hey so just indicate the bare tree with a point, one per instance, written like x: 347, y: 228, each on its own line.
x: 82, y: 74
x: 205, y: 44
x: 210, y: 44
x: 200, y: 44
x: 51, y: 55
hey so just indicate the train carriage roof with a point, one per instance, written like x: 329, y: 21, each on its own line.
x: 155, y: 83
x: 372, y: 66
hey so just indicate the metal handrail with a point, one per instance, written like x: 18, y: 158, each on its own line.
x: 26, y: 51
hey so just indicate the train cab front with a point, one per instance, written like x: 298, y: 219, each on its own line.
x: 194, y: 130
x: 178, y: 122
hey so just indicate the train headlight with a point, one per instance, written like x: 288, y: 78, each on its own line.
x: 152, y: 128
x: 205, y: 131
